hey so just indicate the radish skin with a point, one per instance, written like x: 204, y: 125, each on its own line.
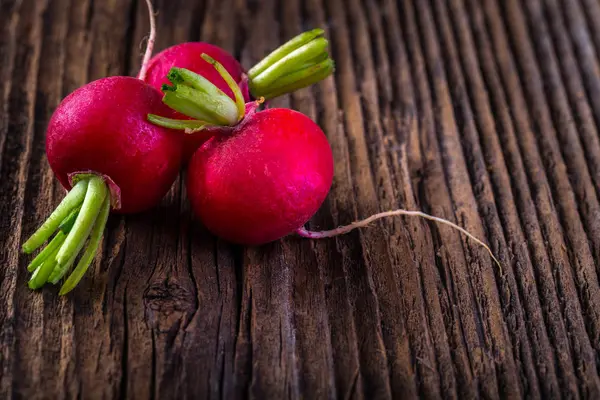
x: 263, y: 179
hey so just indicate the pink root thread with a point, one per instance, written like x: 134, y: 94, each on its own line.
x: 252, y: 106
x: 150, y: 45
x: 360, y: 224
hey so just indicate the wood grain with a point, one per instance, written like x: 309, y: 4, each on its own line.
x: 484, y: 112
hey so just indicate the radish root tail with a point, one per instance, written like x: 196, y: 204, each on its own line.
x: 150, y: 44
x: 411, y: 213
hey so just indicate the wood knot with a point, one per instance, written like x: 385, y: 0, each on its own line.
x: 168, y: 305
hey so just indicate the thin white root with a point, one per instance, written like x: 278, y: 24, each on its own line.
x: 150, y: 44
x: 360, y: 224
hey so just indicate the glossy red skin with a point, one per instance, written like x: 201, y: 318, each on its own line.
x: 264, y: 179
x: 188, y: 56
x: 103, y: 127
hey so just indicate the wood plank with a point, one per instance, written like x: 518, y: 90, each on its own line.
x: 482, y: 112
x: 19, y: 314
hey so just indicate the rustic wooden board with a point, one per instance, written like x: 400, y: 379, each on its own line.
x: 485, y: 112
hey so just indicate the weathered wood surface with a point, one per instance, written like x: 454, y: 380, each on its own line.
x: 485, y: 112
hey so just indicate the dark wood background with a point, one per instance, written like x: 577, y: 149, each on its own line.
x: 484, y: 112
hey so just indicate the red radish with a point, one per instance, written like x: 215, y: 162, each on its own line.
x: 100, y: 146
x: 298, y: 63
x: 263, y: 178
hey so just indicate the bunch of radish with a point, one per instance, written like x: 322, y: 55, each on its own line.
x: 102, y: 148
x: 117, y: 144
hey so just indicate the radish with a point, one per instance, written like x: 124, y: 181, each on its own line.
x: 263, y: 174
x: 300, y: 62
x: 263, y: 179
x: 100, y: 145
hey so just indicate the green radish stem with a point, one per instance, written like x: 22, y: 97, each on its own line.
x: 283, y: 50
x: 239, y: 98
x: 56, y: 242
x: 80, y: 217
x: 61, y: 270
x: 300, y: 79
x: 71, y: 201
x: 200, y: 104
x: 90, y: 251
x: 206, y: 95
x: 45, y: 254
x: 198, y: 98
x: 90, y: 209
x: 41, y: 274
x: 287, y: 64
x: 184, y: 125
x: 290, y: 67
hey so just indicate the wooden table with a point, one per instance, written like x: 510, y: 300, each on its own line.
x: 483, y: 112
